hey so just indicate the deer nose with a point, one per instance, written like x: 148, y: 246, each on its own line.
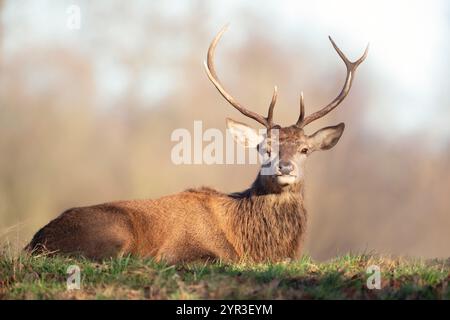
x: 285, y: 167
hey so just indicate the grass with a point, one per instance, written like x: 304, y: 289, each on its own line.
x: 26, y: 277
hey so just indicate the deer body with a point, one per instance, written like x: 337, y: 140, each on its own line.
x: 196, y: 224
x: 267, y: 222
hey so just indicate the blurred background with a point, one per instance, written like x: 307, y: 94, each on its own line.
x: 86, y: 114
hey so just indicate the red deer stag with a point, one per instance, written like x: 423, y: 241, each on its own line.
x: 266, y: 222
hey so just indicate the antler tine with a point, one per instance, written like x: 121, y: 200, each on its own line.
x: 302, y: 110
x: 212, y: 75
x: 272, y: 105
x: 351, y: 68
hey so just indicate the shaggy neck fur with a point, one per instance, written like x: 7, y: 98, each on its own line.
x: 267, y: 222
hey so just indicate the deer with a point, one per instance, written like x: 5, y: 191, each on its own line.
x: 264, y: 223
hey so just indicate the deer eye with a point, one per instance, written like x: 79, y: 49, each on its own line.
x: 304, y: 150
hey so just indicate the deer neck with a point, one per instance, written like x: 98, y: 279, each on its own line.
x: 265, y: 186
x: 267, y: 222
x: 268, y: 198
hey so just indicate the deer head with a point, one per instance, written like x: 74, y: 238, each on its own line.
x: 293, y: 144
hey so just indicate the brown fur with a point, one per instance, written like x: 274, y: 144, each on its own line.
x: 195, y: 224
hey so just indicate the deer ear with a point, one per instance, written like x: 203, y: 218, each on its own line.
x: 326, y: 138
x: 244, y: 134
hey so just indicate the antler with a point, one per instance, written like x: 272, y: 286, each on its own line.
x: 212, y: 75
x: 351, y: 68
